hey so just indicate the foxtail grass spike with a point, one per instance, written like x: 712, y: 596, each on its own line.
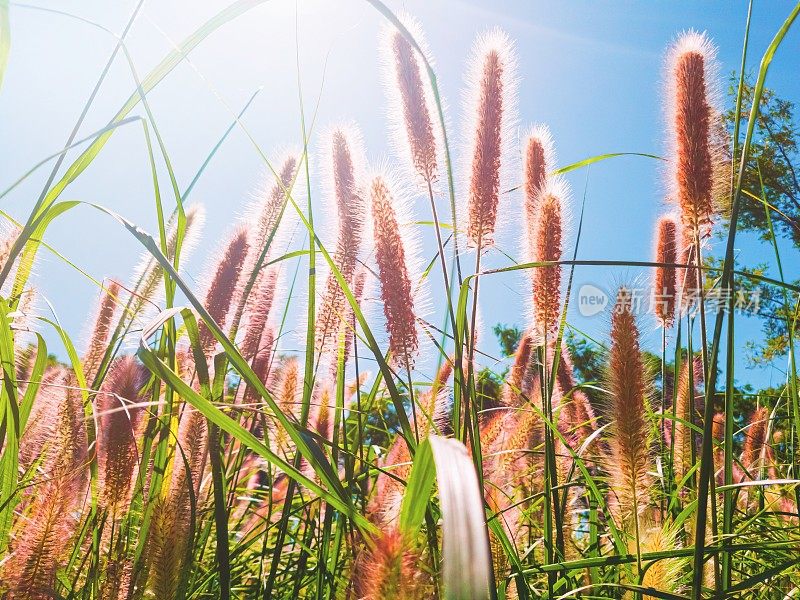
x: 539, y: 161
x: 664, y: 282
x: 44, y: 538
x: 629, y: 441
x: 396, y: 289
x: 325, y: 410
x: 267, y: 212
x: 223, y: 287
x: 491, y: 107
x: 165, y: 547
x: 190, y: 461
x: 287, y: 396
x: 691, y: 79
x: 8, y: 236
x: 348, y: 324
x: 390, y: 569
x: 101, y: 330
x: 411, y: 103
x: 684, y: 436
x: 548, y: 239
x: 518, y: 370
x: 171, y: 530
x: 577, y: 418
x: 119, y: 412
x: 149, y: 274
x: 757, y: 452
x: 261, y: 364
x: 661, y: 575
x: 344, y: 156
x: 260, y: 307
x: 270, y: 217
x: 30, y: 572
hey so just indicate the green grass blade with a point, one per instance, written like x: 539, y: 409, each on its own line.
x: 706, y: 461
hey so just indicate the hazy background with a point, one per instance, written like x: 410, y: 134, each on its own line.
x: 591, y: 70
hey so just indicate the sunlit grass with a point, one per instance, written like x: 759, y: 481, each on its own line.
x: 214, y: 465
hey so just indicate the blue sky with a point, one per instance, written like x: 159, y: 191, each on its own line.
x: 590, y: 70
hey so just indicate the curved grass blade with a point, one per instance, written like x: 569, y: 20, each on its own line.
x: 467, y: 566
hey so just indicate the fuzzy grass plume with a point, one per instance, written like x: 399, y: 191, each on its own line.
x: 101, y: 330
x: 392, y: 253
x: 149, y: 274
x: 691, y: 75
x: 343, y: 158
x: 119, y: 412
x: 491, y: 110
x: 44, y: 536
x: 576, y: 419
x: 684, y: 450
x: 664, y: 281
x: 223, y: 286
x: 390, y: 570
x: 629, y: 441
x: 270, y: 217
x: 412, y: 108
x: 548, y: 234
x: 539, y: 160
x: 151, y: 484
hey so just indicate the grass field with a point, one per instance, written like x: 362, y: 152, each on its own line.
x: 181, y: 453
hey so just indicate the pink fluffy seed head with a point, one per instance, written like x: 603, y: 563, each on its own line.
x: 629, y: 443
x: 491, y: 118
x: 101, y: 330
x: 119, y: 411
x: 548, y: 235
x: 396, y: 283
x: 343, y: 159
x: 412, y: 108
x: 224, y: 286
x: 665, y: 278
x: 692, y: 81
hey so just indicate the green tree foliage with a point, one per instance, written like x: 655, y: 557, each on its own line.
x: 771, y: 176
